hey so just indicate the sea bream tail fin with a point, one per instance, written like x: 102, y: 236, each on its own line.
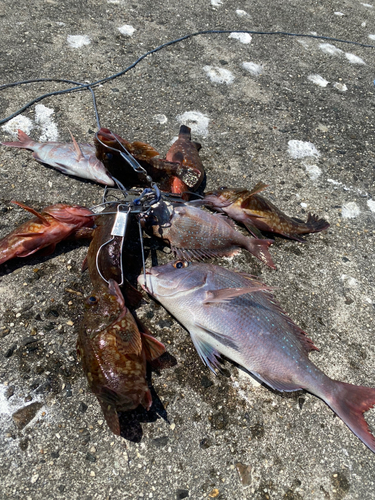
x: 32, y: 211
x: 77, y: 149
x: 349, y: 402
x: 24, y: 141
x: 259, y: 248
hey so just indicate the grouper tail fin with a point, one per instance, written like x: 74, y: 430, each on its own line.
x: 350, y: 402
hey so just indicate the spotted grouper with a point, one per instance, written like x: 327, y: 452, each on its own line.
x: 233, y: 314
x: 258, y: 213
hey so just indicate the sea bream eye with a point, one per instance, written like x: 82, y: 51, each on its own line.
x: 180, y: 264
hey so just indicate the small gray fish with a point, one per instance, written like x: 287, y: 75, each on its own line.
x: 69, y: 158
x: 233, y: 314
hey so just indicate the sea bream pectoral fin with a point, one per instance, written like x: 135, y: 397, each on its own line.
x: 227, y: 294
x: 209, y: 354
x: 77, y: 149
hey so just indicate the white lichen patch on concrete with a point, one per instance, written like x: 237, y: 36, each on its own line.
x: 242, y: 37
x: 219, y: 75
x: 18, y: 122
x: 197, y: 121
x: 368, y: 5
x: 313, y: 171
x: 318, y: 80
x: 77, y: 41
x: 43, y: 117
x: 337, y: 13
x: 371, y: 205
x: 11, y: 405
x: 253, y: 68
x: 371, y: 37
x: 330, y: 49
x: 126, y: 30
x: 340, y: 86
x: 216, y: 3
x: 349, y: 280
x: 302, y: 149
x: 241, y: 13
x: 350, y: 210
x: 352, y: 58
x: 161, y: 119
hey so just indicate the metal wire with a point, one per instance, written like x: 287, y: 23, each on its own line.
x: 82, y: 86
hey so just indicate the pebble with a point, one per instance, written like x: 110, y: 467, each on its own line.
x: 244, y: 471
x: 214, y: 493
x: 92, y: 473
x: 24, y: 415
x: 34, y: 478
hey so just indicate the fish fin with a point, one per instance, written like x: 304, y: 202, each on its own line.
x: 132, y: 296
x: 185, y: 130
x: 260, y: 186
x: 24, y: 141
x: 251, y: 214
x: 278, y: 385
x: 259, y: 248
x: 208, y: 354
x: 220, y: 337
x: 349, y: 402
x: 77, y: 149
x: 253, y: 230
x: 48, y: 250
x: 200, y: 254
x: 153, y: 348
x: 111, y: 416
x: 147, y: 400
x: 83, y: 233
x: 30, y: 235
x: 85, y: 265
x: 59, y: 166
x: 315, y: 224
x: 31, y: 210
x: 227, y: 294
x: 114, y: 289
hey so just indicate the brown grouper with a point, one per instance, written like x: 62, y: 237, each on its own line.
x: 257, y: 213
x: 196, y: 234
x: 69, y: 158
x: 233, y: 314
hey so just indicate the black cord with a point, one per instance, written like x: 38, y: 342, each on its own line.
x: 84, y: 86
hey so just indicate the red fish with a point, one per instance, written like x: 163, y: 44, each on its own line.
x: 113, y: 353
x: 54, y: 224
x: 257, y: 213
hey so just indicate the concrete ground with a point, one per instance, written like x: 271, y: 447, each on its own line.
x: 295, y: 113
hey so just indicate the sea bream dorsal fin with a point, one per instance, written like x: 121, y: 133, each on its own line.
x: 32, y: 211
x: 77, y: 149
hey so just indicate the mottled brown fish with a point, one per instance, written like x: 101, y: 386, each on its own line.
x: 50, y: 226
x: 180, y: 174
x: 196, y: 234
x: 113, y: 353
x: 257, y: 213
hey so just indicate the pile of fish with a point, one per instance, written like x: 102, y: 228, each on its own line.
x: 227, y: 313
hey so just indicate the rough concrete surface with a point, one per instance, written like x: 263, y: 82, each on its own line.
x: 220, y: 437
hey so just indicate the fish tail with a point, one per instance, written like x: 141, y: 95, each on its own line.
x: 259, y: 248
x: 24, y: 141
x: 349, y: 402
x: 315, y: 224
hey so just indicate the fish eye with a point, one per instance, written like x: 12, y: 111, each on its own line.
x: 92, y: 300
x: 109, y: 156
x: 222, y: 188
x: 180, y: 264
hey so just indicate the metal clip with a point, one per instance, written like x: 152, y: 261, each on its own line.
x: 118, y: 230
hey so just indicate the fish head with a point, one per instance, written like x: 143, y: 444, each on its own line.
x: 174, y: 278
x: 99, y: 172
x: 71, y: 214
x: 103, y: 307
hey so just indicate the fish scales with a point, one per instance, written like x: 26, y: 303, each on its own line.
x: 230, y: 314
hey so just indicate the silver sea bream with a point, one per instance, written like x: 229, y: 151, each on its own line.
x: 69, y: 158
x: 234, y: 314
